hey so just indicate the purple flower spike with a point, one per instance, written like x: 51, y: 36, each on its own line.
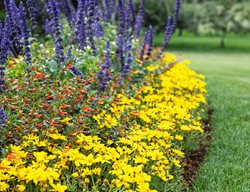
x: 129, y: 57
x: 167, y: 37
x: 150, y: 41
x: 76, y: 72
x: 3, y: 56
x: 132, y: 10
x: 139, y: 19
x: 108, y: 10
x: 80, y: 35
x: 3, y: 117
x: 25, y: 33
x: 91, y: 19
x: 103, y: 74
x: 33, y: 13
x: 120, y: 51
x: 14, y: 10
x: 122, y: 19
x: 54, y: 17
x: 176, y: 13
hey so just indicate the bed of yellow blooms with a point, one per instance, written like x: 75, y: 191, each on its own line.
x: 154, y: 127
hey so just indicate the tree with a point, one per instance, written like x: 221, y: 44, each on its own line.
x: 225, y: 16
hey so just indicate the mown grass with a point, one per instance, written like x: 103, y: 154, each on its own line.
x: 189, y: 42
x: 226, y: 167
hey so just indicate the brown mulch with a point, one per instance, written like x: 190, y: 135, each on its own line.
x: 195, y: 158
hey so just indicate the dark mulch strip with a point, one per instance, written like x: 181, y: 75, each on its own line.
x: 194, y: 158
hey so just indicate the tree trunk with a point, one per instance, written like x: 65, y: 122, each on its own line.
x: 222, y: 42
x: 180, y: 32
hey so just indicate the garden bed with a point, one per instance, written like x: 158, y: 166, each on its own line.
x: 94, y: 107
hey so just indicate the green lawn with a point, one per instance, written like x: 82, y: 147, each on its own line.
x: 189, y: 42
x: 227, y: 164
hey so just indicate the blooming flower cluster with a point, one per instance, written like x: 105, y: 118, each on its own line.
x: 133, y: 141
x: 95, y: 107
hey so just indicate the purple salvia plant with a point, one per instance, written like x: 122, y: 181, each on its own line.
x: 167, y: 37
x: 79, y: 35
x: 132, y: 11
x: 69, y: 56
x: 25, y: 34
x: 176, y: 14
x: 14, y: 10
x: 102, y: 11
x: 41, y: 12
x: 96, y: 25
x: 91, y: 20
x: 72, y: 11
x: 14, y: 44
x: 139, y: 19
x: 54, y: 17
x: 33, y: 14
x: 108, y: 10
x: 127, y: 18
x: 3, y: 57
x: 76, y: 72
x: 1, y: 30
x: 170, y: 27
x: 122, y: 21
x: 120, y: 51
x: 129, y: 57
x: 66, y: 10
x: 3, y: 117
x: 104, y: 74
x: 150, y: 41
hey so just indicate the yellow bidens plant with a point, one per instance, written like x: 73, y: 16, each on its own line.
x: 151, y: 131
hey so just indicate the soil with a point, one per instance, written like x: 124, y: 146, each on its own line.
x: 195, y: 158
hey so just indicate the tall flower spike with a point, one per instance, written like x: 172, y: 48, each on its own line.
x: 14, y: 10
x: 121, y: 18
x: 33, y: 14
x: 3, y: 56
x: 127, y: 18
x: 170, y: 28
x: 104, y: 74
x: 1, y: 30
x: 176, y: 14
x: 3, y: 117
x: 108, y: 10
x: 167, y: 37
x: 66, y: 10
x: 129, y: 57
x: 54, y: 17
x: 25, y: 34
x: 96, y: 25
x: 150, y: 42
x: 120, y: 51
x: 79, y: 35
x: 91, y: 19
x: 139, y: 19
x: 11, y: 24
x: 132, y: 10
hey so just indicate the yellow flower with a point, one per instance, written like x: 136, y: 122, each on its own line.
x: 179, y: 137
x: 20, y: 188
x: 60, y: 188
x: 56, y: 136
x: 66, y: 120
x: 3, y: 186
x: 76, y: 174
